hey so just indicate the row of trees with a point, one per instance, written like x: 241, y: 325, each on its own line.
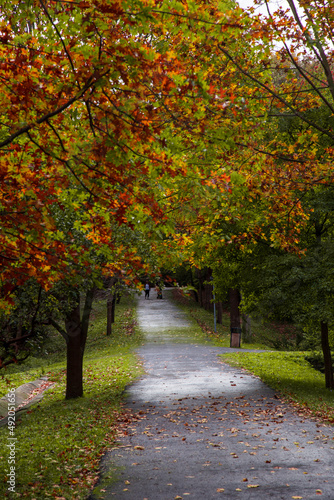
x: 98, y: 101
x: 271, y: 237
x: 136, y: 133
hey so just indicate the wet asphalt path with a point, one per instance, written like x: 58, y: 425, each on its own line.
x: 208, y: 431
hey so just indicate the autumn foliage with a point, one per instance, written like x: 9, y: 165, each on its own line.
x: 139, y: 132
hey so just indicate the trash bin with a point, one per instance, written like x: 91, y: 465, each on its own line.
x: 235, y: 337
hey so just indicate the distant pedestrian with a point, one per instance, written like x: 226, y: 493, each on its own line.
x: 158, y: 289
x: 147, y: 290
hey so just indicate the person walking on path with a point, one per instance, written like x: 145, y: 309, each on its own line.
x: 158, y: 289
x: 147, y: 290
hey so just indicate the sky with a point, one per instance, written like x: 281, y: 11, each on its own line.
x: 263, y: 9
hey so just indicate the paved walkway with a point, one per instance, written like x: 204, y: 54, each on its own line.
x: 208, y: 431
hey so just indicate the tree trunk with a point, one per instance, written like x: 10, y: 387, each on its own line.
x: 111, y: 304
x: 327, y: 356
x: 76, y: 330
x: 74, y: 383
x: 113, y: 307
x: 109, y: 314
x: 111, y: 301
x: 219, y: 306
x: 246, y: 328
x: 193, y: 285
x: 234, y: 299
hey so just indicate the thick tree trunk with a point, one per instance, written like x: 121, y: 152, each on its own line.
x: 327, y: 356
x: 235, y: 324
x: 74, y: 383
x: 76, y: 330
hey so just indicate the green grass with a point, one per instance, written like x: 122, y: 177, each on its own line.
x: 285, y: 371
x: 60, y: 443
x: 291, y: 375
x: 221, y: 337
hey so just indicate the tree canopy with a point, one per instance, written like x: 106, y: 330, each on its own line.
x: 139, y: 133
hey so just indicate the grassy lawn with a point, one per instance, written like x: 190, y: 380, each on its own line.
x: 285, y: 371
x: 221, y: 337
x: 59, y: 443
x: 291, y: 375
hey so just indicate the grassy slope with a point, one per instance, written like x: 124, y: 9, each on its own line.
x: 60, y: 443
x: 286, y: 371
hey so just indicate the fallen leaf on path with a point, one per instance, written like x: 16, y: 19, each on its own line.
x: 253, y: 485
x: 139, y: 448
x: 220, y: 490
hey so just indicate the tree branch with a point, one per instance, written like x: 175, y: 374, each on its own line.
x: 59, y: 329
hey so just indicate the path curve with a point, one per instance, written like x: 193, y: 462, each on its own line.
x: 209, y: 431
